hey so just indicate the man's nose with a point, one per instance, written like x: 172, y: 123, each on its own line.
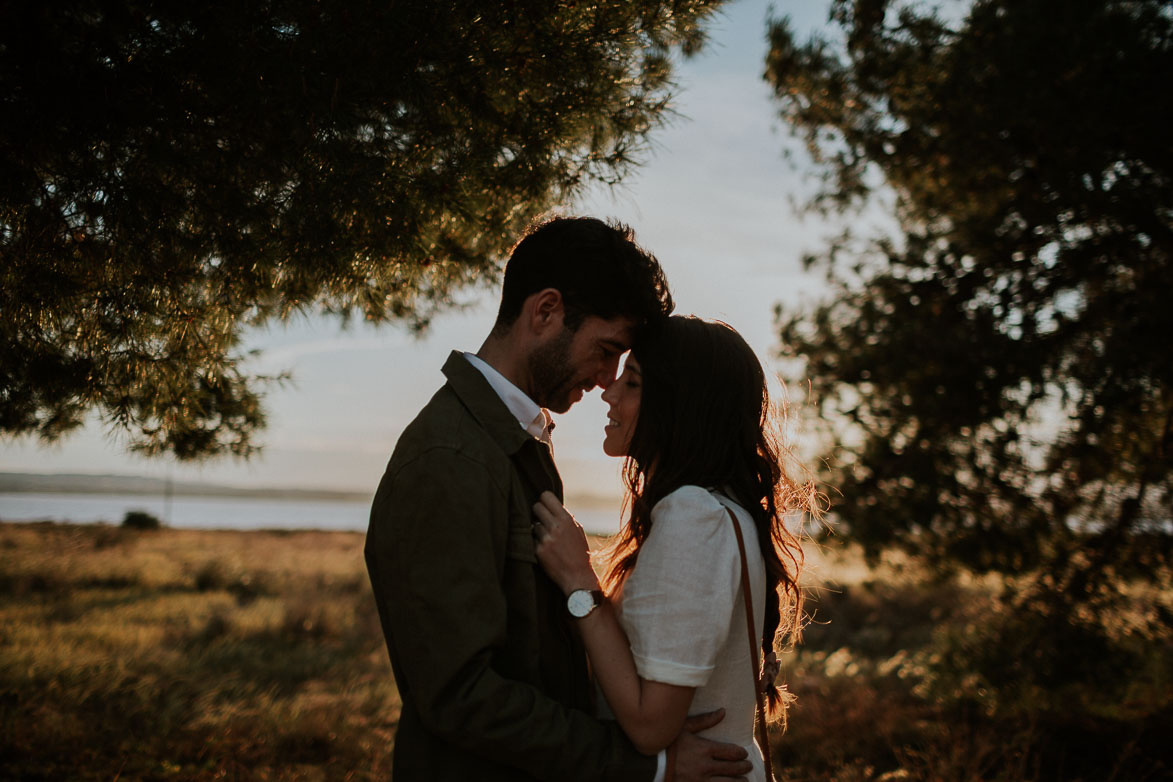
x: 606, y: 376
x: 610, y: 370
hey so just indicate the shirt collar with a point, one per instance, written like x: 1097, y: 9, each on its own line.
x: 532, y: 417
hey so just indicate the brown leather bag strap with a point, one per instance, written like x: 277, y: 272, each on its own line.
x: 763, y: 733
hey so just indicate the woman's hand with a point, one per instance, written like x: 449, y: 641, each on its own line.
x: 562, y: 546
x: 650, y: 713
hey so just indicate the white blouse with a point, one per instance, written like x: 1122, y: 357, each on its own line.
x: 681, y: 607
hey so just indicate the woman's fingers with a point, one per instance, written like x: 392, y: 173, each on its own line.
x: 551, y: 513
x: 551, y: 502
x: 543, y: 513
x: 545, y: 524
x: 561, y: 546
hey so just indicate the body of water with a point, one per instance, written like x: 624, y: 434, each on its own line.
x: 241, y: 513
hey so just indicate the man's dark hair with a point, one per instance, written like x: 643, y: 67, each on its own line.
x: 596, y: 266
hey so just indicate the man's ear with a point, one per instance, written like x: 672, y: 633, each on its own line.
x: 545, y: 312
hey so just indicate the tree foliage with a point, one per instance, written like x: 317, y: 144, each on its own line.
x: 171, y: 174
x: 1001, y: 369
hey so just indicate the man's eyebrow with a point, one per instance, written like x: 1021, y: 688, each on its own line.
x: 615, y: 344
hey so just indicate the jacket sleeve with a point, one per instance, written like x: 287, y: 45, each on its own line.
x: 435, y: 552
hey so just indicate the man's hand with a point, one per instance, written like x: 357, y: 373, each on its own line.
x: 700, y: 760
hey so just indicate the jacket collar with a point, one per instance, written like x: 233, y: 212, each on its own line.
x: 533, y: 419
x: 479, y: 398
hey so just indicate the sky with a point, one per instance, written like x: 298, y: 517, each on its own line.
x: 714, y: 202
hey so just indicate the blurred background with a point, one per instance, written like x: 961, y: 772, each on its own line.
x: 712, y: 197
x: 237, y: 244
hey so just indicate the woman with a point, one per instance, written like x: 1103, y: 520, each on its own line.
x: 691, y: 415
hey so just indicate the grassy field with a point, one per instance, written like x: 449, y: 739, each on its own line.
x: 182, y: 654
x: 192, y: 655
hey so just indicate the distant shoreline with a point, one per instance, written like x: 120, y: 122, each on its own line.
x: 85, y: 483
x: 80, y: 483
x: 97, y: 498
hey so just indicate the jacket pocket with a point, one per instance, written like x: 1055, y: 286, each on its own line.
x: 521, y: 545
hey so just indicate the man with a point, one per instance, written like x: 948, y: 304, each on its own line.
x: 493, y: 678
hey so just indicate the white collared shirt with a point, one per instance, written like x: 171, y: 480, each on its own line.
x: 532, y: 417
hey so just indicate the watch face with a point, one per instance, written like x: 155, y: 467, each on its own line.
x: 580, y: 603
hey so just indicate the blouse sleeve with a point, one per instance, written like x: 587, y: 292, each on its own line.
x: 678, y: 601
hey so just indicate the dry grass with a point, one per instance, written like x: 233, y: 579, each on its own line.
x: 874, y: 703
x: 198, y: 655
x: 182, y: 654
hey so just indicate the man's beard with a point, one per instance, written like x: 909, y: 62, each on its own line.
x: 551, y: 373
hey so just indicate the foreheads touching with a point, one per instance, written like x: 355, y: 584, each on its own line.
x: 577, y: 292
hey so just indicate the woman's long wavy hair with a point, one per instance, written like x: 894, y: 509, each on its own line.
x: 705, y: 419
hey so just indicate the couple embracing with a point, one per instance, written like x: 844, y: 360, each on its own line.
x: 514, y: 661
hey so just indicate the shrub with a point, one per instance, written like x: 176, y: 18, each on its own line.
x: 138, y: 519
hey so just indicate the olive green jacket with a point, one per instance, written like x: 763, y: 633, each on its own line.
x: 494, y: 682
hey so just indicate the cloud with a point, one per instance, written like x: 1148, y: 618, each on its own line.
x: 285, y: 356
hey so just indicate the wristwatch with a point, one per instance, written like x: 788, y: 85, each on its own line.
x: 581, y: 602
